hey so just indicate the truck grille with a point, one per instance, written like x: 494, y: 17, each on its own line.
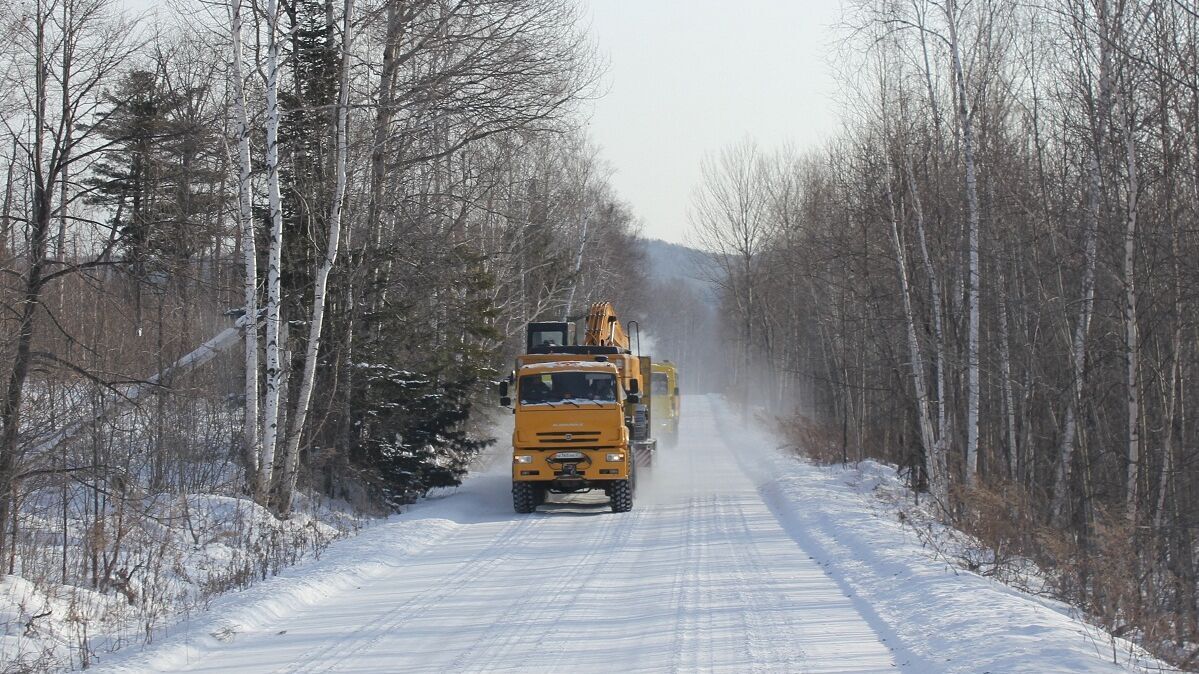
x: 574, y: 437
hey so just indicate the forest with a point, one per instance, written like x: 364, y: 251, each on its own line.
x: 263, y: 262
x: 988, y: 278
x: 272, y: 255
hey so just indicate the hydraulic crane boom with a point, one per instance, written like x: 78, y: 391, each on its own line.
x: 603, y: 327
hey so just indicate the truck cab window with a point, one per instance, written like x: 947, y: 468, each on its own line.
x: 547, y: 338
x: 537, y: 389
x: 661, y: 384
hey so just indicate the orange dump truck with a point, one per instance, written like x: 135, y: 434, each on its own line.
x: 582, y: 412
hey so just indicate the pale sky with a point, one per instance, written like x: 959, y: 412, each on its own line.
x: 688, y: 77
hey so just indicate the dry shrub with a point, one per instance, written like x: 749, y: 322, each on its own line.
x: 1122, y: 587
x: 1005, y: 526
x: 1103, y: 573
x: 818, y: 441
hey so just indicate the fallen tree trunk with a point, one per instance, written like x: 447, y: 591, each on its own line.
x: 202, y: 354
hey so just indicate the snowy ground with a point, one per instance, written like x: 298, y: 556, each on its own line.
x: 735, y: 558
x: 182, y: 551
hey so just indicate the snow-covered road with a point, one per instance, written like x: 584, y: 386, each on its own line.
x: 734, y: 558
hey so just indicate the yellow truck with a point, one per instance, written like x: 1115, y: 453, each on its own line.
x: 582, y: 412
x: 664, y: 392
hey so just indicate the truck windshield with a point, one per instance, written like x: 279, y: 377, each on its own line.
x: 661, y: 383
x: 553, y: 387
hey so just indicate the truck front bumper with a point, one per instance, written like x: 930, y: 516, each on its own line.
x: 571, y: 469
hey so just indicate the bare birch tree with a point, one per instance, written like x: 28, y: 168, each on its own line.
x: 291, y: 462
x: 276, y: 376
x: 249, y: 248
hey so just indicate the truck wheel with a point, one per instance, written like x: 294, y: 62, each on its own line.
x: 524, y: 497
x: 621, y: 495
x: 640, y: 424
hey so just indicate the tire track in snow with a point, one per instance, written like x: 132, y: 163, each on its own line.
x: 705, y: 591
x: 683, y: 587
x: 328, y: 656
x: 807, y: 533
x: 688, y: 575
x: 599, y: 559
x: 765, y: 609
x: 731, y: 593
x: 543, y: 600
x: 795, y: 525
x: 704, y: 651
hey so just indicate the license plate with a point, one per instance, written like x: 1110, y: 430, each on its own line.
x: 568, y: 455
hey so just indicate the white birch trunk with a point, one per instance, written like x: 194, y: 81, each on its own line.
x: 1078, y: 347
x: 578, y: 268
x: 1082, y: 327
x: 934, y: 288
x: 1005, y: 366
x: 1131, y: 334
x: 939, y: 450
x: 320, y: 286
x: 1166, y: 473
x: 274, y: 369
x: 938, y: 485
x: 973, y: 275
x: 249, y: 257
x: 383, y: 115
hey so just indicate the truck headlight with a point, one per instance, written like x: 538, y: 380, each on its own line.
x: 614, y: 457
x: 522, y: 458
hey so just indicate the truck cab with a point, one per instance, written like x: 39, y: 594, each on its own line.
x: 582, y: 418
x: 664, y: 392
x: 570, y: 434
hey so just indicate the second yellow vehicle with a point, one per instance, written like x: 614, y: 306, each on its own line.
x: 664, y: 394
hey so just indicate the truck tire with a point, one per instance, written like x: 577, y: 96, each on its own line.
x: 640, y: 429
x: 524, y: 497
x: 621, y: 495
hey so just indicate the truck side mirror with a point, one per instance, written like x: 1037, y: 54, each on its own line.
x: 676, y: 390
x: 505, y: 401
x: 634, y: 386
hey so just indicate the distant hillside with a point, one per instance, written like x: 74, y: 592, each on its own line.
x: 669, y: 261
x: 681, y: 319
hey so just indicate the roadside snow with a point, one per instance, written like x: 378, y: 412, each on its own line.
x: 574, y: 364
x: 944, y: 618
x: 175, y: 554
x: 345, y: 565
x: 44, y: 628
x: 736, y: 557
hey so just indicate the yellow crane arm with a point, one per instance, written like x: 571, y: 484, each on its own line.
x: 604, y: 328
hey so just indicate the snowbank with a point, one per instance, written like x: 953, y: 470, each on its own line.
x: 176, y: 554
x: 856, y: 522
